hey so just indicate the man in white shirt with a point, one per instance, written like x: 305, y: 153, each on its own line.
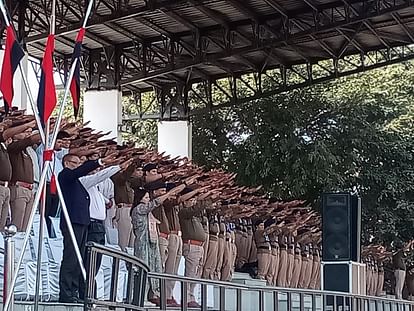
x: 97, y: 208
x: 107, y: 189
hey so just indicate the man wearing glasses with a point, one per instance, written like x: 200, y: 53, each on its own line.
x: 77, y: 202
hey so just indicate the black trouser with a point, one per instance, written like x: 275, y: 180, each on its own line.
x: 70, y: 270
x: 96, y: 233
x: 51, y: 208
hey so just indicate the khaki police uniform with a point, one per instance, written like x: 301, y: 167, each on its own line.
x: 193, y: 237
x: 211, y: 260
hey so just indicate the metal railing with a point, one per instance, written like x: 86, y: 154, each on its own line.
x: 8, y: 272
x: 225, y: 296
x: 211, y: 295
x: 136, y: 279
x: 220, y: 296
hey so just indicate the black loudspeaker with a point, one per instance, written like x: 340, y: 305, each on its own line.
x: 336, y: 278
x: 341, y: 227
x: 347, y: 277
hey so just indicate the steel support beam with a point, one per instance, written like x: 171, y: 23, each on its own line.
x: 309, y: 41
x: 272, y: 82
x: 285, y: 40
x: 122, y: 12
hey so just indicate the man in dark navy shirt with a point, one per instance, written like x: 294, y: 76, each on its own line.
x: 77, y: 202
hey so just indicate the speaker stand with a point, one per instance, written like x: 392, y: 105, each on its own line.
x: 344, y: 276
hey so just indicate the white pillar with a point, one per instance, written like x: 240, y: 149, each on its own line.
x: 104, y: 110
x: 175, y: 138
x: 20, y: 94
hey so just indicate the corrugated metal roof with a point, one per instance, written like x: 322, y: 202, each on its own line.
x: 227, y: 27
x: 226, y: 11
x: 195, y: 16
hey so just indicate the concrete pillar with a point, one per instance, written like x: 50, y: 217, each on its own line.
x: 20, y: 94
x: 175, y: 138
x: 104, y: 110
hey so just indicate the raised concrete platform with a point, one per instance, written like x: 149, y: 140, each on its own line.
x: 250, y: 300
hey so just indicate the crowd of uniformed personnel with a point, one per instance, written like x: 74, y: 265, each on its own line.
x: 168, y: 208
x: 222, y: 228
x: 284, y: 257
x: 374, y: 257
x: 175, y: 208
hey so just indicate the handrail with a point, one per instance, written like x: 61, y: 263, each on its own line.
x: 136, y: 279
x: 330, y: 300
x: 267, y: 298
x: 112, y: 252
x: 266, y: 288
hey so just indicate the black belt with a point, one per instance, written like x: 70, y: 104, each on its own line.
x: 263, y: 247
x: 97, y: 221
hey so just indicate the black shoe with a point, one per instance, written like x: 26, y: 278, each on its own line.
x: 155, y: 300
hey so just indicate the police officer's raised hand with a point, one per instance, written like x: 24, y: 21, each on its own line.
x: 126, y: 164
x: 175, y: 190
x: 171, y: 193
x: 110, y: 158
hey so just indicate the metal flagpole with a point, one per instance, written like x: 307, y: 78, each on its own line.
x: 40, y: 241
x: 68, y: 81
x: 44, y: 172
x: 57, y: 125
x: 42, y: 178
x: 43, y: 205
x: 26, y: 239
x: 23, y: 74
x: 56, y: 129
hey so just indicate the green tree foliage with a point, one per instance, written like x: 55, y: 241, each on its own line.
x: 143, y: 133
x: 354, y: 133
x: 68, y: 110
